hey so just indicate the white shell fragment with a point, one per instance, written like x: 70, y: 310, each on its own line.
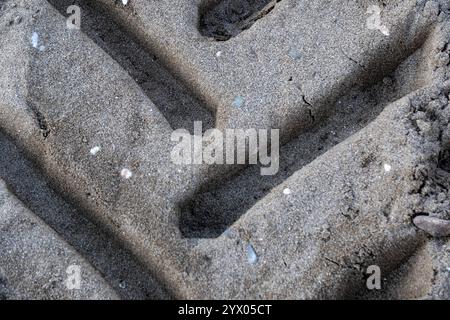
x: 126, y: 174
x: 95, y: 150
x: 35, y: 40
x: 124, y: 2
x: 252, y: 257
x: 435, y: 227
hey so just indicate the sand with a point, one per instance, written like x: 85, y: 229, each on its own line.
x: 359, y: 92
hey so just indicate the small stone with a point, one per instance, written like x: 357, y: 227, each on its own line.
x: 95, y: 150
x: 325, y: 234
x: 34, y: 40
x: 126, y: 174
x: 287, y: 191
x: 295, y: 54
x: 227, y: 233
x: 387, y: 167
x: 251, y: 254
x: 424, y: 126
x: 435, y: 227
x: 238, y: 102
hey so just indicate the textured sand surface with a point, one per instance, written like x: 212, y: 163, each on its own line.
x: 359, y: 91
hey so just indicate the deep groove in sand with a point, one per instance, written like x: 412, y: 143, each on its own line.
x: 225, y: 19
x: 117, y: 264
x: 208, y: 213
x: 216, y: 207
x: 176, y: 102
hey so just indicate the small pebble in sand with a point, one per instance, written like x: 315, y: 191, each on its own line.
x: 228, y: 233
x: 238, y: 102
x: 95, y: 150
x: 251, y: 254
x: 126, y: 174
x: 35, y: 40
x: 218, y: 54
x: 294, y: 54
x: 287, y: 191
x: 124, y: 2
x: 435, y: 227
x: 387, y: 167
